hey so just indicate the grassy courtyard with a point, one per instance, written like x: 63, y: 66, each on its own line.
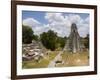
x: 68, y: 59
x: 75, y: 59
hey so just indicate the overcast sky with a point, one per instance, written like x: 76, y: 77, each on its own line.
x: 56, y: 21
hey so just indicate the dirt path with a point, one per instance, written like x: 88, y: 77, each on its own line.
x: 58, y: 57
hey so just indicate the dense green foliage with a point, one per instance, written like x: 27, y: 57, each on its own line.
x: 49, y: 39
x: 61, y: 41
x: 86, y: 41
x: 27, y: 34
x: 35, y: 37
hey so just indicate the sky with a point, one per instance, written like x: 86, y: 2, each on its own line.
x: 41, y: 21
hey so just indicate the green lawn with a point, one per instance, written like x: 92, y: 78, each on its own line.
x: 75, y: 59
x: 43, y: 62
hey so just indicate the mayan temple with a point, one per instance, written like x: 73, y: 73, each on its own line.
x: 73, y: 43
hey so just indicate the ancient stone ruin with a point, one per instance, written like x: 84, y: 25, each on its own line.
x: 35, y: 51
x: 73, y: 43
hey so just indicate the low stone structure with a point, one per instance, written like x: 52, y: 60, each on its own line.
x: 35, y: 51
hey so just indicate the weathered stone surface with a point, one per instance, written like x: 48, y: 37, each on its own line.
x: 35, y: 50
x: 73, y: 43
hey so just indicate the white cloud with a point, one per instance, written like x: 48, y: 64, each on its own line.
x: 61, y: 28
x: 87, y: 20
x: 54, y: 17
x: 83, y: 30
x: 62, y: 24
x: 40, y: 29
x: 74, y: 18
x: 31, y: 22
x: 34, y: 24
x: 59, y: 23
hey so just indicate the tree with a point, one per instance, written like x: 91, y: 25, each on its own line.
x: 49, y: 39
x: 87, y: 41
x: 35, y: 37
x: 61, y: 41
x: 27, y: 34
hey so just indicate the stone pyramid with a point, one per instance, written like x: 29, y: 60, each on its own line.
x: 73, y: 43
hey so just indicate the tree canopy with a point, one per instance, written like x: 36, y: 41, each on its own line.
x: 27, y: 34
x: 86, y: 41
x: 49, y: 39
